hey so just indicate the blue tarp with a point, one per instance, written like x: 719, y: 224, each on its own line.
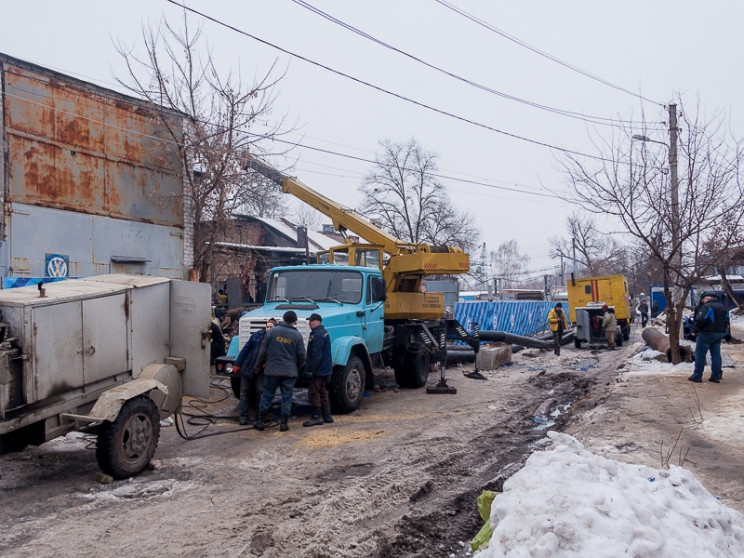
x: 11, y: 282
x: 519, y: 317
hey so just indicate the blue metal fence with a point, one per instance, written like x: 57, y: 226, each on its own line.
x: 519, y: 317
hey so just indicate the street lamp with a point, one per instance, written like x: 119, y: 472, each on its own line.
x: 672, y: 148
x: 646, y: 138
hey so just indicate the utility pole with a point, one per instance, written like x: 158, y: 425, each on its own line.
x: 677, y: 259
x: 674, y: 177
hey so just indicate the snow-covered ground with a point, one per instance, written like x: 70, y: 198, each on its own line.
x: 569, y: 502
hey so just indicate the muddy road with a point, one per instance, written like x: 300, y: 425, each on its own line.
x: 397, y: 478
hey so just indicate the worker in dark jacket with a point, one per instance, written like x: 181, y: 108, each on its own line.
x: 281, y: 356
x: 245, y: 365
x: 711, y: 321
x: 643, y: 309
x: 318, y: 368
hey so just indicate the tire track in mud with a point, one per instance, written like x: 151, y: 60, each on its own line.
x: 444, y: 526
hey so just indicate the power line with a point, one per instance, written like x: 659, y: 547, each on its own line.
x: 541, y: 52
x: 435, y: 175
x: 279, y: 140
x: 571, y: 114
x: 386, y: 91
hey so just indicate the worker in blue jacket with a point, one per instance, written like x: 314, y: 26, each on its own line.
x: 711, y: 321
x: 245, y: 365
x: 318, y: 368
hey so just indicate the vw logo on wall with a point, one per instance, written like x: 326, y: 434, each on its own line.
x: 57, y: 265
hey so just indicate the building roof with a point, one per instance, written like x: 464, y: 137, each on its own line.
x: 317, y: 240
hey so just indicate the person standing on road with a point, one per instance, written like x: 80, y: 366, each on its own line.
x: 319, y: 366
x: 609, y: 324
x: 643, y: 309
x: 558, y: 323
x: 245, y: 365
x: 654, y: 309
x: 711, y: 321
x: 281, y: 356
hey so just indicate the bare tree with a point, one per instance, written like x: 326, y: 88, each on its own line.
x: 222, y: 113
x: 405, y: 195
x: 261, y: 197
x: 507, y: 263
x: 597, y: 253
x: 680, y: 221
x: 733, y: 256
x: 306, y: 215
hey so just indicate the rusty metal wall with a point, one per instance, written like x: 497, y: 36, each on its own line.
x: 101, y: 158
x: 78, y: 150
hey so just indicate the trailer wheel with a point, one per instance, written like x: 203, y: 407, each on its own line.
x: 415, y: 370
x: 127, y: 445
x: 347, y: 385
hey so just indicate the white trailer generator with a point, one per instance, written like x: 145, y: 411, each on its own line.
x: 110, y: 354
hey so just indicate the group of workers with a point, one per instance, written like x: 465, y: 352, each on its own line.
x: 277, y: 357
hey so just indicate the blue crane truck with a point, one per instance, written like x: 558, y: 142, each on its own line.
x: 351, y: 300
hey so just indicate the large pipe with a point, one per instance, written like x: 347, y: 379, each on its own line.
x: 661, y: 343
x: 514, y: 339
x: 457, y: 353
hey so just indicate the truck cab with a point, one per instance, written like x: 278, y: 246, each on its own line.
x: 351, y: 301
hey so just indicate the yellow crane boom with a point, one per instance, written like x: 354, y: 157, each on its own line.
x: 406, y: 263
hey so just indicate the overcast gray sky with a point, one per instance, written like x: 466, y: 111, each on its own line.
x: 654, y: 50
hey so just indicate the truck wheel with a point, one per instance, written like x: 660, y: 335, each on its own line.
x: 127, y: 445
x: 235, y: 384
x: 347, y: 385
x: 415, y: 370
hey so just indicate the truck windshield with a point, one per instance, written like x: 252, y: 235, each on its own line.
x: 317, y: 285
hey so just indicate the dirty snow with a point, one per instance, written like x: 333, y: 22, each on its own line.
x: 569, y: 502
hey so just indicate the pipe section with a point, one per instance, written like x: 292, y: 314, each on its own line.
x: 657, y: 340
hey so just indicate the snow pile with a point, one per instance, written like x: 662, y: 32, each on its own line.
x: 567, y: 501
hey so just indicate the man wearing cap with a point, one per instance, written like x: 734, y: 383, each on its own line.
x: 281, y: 356
x: 557, y: 322
x: 319, y: 365
x: 711, y: 321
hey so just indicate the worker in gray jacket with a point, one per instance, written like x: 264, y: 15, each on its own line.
x: 609, y: 324
x: 281, y: 356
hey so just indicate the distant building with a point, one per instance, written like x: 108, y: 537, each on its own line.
x: 251, y: 246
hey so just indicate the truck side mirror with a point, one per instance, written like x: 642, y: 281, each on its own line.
x: 379, y: 292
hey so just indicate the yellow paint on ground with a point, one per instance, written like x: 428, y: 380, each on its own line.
x: 331, y: 437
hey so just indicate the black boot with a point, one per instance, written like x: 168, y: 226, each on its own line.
x: 283, y: 426
x: 327, y: 413
x: 314, y: 419
x: 260, y: 423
